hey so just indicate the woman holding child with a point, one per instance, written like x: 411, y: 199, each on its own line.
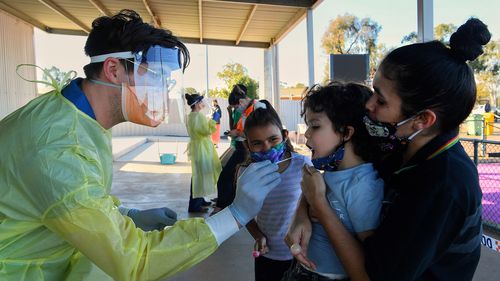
x: 431, y: 218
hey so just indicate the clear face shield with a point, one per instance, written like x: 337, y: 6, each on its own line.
x: 147, y: 95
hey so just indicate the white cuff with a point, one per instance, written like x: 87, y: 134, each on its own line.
x: 223, y: 225
x: 123, y: 210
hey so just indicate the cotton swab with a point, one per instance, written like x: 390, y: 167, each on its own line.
x: 286, y: 159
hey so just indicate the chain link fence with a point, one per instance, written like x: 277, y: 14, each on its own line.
x: 486, y: 155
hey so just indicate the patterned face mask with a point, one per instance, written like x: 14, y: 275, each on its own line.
x: 385, y: 134
x: 274, y: 154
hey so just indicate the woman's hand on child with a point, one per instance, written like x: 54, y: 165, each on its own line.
x: 261, y: 245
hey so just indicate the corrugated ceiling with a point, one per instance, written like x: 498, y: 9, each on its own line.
x: 253, y: 23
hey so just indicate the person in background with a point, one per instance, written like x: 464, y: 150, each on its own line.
x: 58, y: 220
x: 216, y: 116
x: 205, y: 163
x: 239, y: 100
x: 431, y: 223
x: 487, y: 107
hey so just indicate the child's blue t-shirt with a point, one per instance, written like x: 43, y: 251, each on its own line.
x: 356, y: 196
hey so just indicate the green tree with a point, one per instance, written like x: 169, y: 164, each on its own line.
x: 486, y: 84
x: 489, y: 60
x: 376, y: 57
x: 349, y: 34
x: 190, y: 90
x: 411, y: 38
x: 442, y: 32
x: 232, y: 74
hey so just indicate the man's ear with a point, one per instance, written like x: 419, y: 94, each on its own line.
x: 245, y: 143
x: 425, y: 119
x: 111, y: 70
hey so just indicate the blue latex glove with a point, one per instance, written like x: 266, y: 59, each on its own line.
x: 252, y: 188
x: 153, y: 219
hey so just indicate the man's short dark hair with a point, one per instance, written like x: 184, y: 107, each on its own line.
x: 123, y: 32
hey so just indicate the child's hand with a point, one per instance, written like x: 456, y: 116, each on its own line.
x: 261, y: 245
x: 313, y: 187
x: 234, y: 133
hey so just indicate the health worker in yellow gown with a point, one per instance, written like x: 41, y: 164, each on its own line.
x: 57, y: 218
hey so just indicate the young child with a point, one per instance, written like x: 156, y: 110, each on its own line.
x: 205, y: 163
x: 267, y: 140
x: 340, y: 147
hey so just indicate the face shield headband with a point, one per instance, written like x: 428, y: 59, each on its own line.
x: 145, y: 97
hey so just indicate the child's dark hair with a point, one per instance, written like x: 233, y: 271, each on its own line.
x: 344, y: 104
x: 239, y: 92
x: 126, y: 31
x: 265, y: 116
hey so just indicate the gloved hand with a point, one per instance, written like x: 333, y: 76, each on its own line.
x: 153, y: 219
x: 252, y: 188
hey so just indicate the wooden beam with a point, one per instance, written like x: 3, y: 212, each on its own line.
x: 219, y: 42
x: 249, y: 19
x: 288, y: 3
x: 62, y: 31
x: 99, y: 6
x: 65, y: 14
x: 200, y: 19
x: 292, y: 23
x: 23, y: 16
x: 156, y: 20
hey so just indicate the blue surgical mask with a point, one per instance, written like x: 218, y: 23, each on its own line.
x: 331, y: 162
x: 274, y: 154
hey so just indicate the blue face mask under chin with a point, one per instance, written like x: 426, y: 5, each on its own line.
x: 274, y: 154
x: 331, y: 162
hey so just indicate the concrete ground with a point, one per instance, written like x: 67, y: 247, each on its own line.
x: 140, y: 181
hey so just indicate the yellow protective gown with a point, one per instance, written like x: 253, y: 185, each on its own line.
x: 57, y: 219
x: 205, y: 163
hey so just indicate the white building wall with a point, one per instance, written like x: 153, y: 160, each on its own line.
x: 174, y: 128
x: 16, y: 47
x: 290, y: 117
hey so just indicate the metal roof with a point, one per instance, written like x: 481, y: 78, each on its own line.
x: 251, y: 23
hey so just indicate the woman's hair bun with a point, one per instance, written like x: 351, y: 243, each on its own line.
x: 467, y: 42
x: 189, y: 99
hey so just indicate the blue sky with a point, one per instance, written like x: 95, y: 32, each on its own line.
x: 397, y: 18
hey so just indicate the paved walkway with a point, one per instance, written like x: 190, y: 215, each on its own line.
x: 140, y: 181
